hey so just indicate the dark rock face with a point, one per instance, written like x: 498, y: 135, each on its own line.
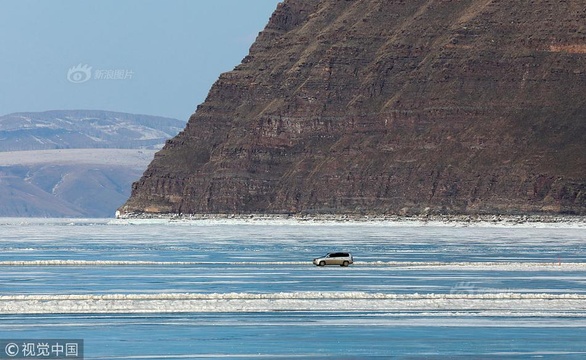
x: 389, y: 106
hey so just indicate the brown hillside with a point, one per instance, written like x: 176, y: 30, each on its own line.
x: 389, y: 106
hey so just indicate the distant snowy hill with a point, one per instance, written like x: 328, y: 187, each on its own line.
x: 77, y: 129
x: 75, y: 163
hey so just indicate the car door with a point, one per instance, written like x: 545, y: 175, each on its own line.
x: 335, y: 259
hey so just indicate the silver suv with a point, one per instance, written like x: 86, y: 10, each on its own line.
x: 338, y: 258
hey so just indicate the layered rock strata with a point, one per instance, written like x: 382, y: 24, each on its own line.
x: 389, y: 107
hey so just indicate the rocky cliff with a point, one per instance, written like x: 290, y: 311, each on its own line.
x: 389, y: 106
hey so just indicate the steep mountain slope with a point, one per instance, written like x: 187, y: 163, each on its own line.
x: 378, y: 106
x: 94, y: 158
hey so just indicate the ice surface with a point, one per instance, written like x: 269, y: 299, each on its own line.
x: 334, y: 221
x: 468, y: 265
x: 500, y: 304
x: 247, y: 288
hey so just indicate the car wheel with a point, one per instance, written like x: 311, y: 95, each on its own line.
x: 345, y: 263
x: 322, y: 263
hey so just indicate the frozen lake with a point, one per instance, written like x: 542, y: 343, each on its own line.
x: 247, y: 289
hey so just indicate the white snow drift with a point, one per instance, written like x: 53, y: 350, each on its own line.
x: 498, y: 304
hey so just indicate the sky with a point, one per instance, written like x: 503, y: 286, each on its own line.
x: 154, y: 57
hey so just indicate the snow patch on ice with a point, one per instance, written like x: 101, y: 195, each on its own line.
x: 498, y: 304
x: 543, y: 222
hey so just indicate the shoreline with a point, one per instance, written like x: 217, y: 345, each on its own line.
x: 505, y: 220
